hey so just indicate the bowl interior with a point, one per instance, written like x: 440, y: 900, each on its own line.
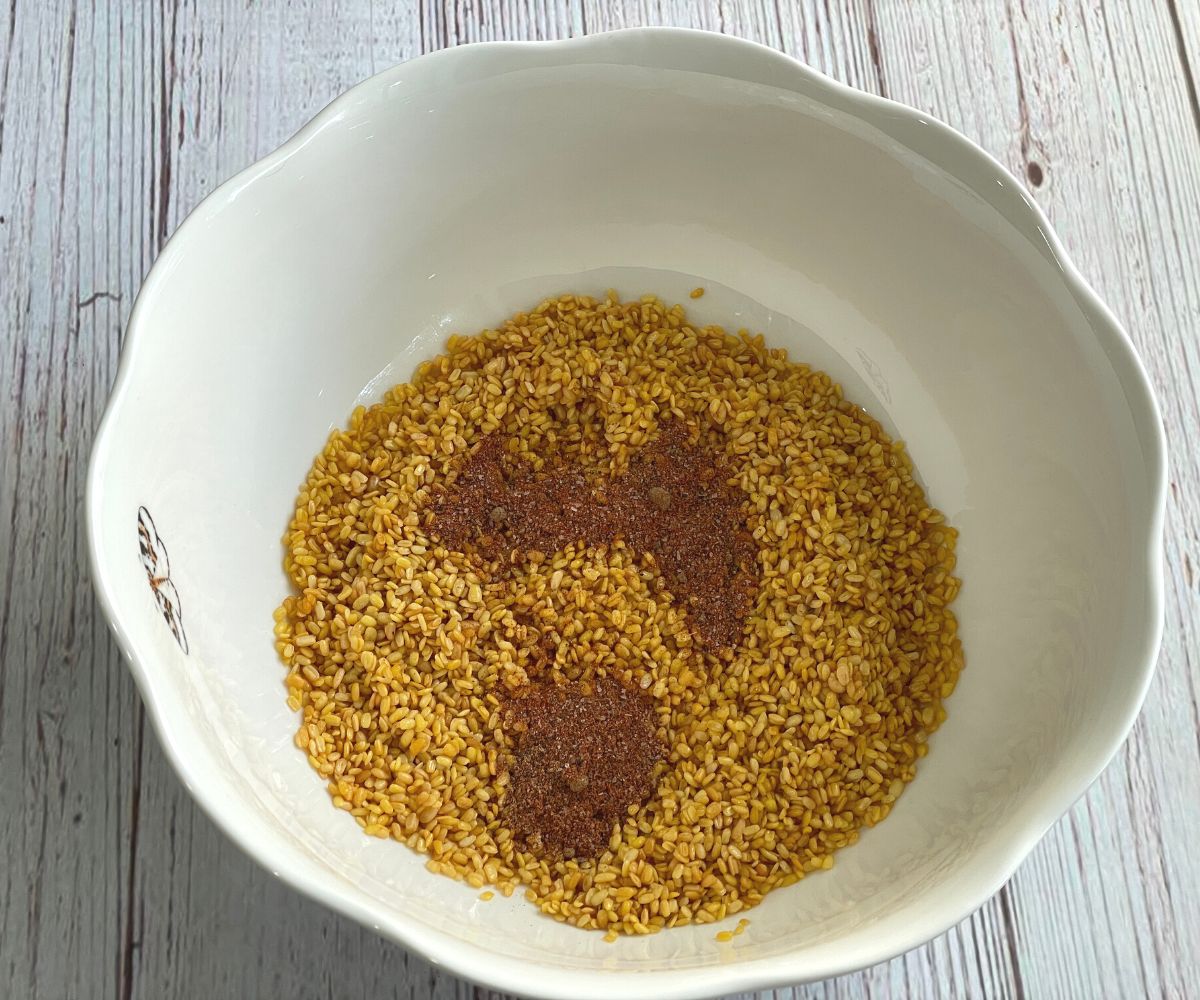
x: 448, y: 193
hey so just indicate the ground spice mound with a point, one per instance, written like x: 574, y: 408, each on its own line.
x: 673, y: 503
x: 404, y: 650
x: 582, y: 757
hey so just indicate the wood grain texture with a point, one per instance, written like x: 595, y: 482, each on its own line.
x: 116, y: 118
x: 1185, y: 19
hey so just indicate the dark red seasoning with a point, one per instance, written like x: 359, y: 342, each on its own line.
x: 674, y: 503
x: 582, y: 757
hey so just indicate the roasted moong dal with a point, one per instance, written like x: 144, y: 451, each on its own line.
x: 643, y: 617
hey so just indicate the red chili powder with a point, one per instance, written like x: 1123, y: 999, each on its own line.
x: 674, y: 504
x: 583, y: 756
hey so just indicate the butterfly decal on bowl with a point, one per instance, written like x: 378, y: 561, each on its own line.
x: 158, y: 571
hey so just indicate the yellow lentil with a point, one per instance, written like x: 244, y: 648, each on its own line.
x: 399, y: 652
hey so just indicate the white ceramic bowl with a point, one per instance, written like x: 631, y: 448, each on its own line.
x: 881, y: 246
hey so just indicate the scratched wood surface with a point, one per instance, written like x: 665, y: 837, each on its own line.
x: 115, y: 119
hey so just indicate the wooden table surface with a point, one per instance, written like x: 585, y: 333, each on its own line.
x: 116, y: 119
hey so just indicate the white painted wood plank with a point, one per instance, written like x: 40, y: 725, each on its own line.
x: 67, y: 707
x: 1185, y: 19
x: 116, y: 119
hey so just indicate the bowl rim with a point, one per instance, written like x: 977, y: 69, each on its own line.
x: 939, y: 144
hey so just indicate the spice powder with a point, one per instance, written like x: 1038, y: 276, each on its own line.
x: 673, y: 504
x: 584, y: 755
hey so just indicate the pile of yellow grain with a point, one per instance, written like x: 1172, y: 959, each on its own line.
x: 399, y: 652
